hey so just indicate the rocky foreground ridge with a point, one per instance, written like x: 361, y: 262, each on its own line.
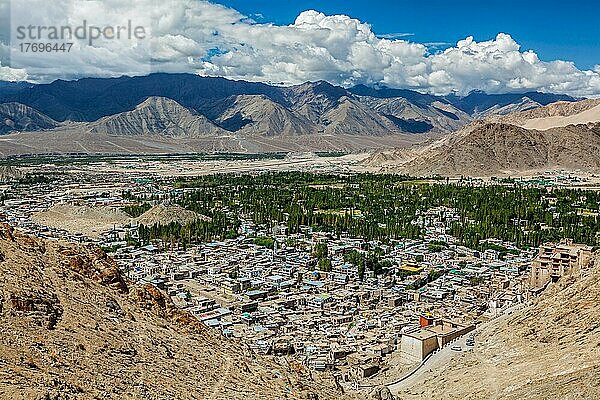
x: 72, y: 327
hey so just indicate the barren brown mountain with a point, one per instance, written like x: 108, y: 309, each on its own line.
x: 71, y: 327
x: 353, y: 118
x: 559, y: 136
x: 19, y: 117
x: 559, y: 114
x: 157, y: 115
x: 259, y: 115
x: 487, y: 149
x: 438, y: 116
x: 497, y: 111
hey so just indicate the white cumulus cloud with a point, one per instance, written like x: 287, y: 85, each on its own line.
x: 209, y: 39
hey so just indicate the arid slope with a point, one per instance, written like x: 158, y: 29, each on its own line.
x: 71, y: 327
x: 546, y: 351
x: 555, y: 115
x: 487, y: 149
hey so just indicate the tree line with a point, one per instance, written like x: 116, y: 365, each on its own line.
x: 382, y: 207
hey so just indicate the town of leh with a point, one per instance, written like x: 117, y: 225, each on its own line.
x: 309, y: 200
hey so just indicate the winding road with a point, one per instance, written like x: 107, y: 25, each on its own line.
x: 444, y: 356
x: 439, y: 359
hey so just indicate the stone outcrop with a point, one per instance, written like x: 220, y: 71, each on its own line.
x: 381, y: 393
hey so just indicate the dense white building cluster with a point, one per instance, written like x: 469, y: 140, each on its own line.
x: 277, y: 301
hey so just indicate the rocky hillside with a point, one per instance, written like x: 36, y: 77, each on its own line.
x: 164, y: 215
x: 351, y: 117
x: 390, y: 158
x: 9, y: 173
x: 523, y: 105
x: 314, y: 99
x: 258, y: 115
x: 249, y: 108
x: 157, y: 116
x: 71, y: 327
x: 555, y: 115
x: 562, y: 135
x: 549, y: 350
x: 495, y: 148
x: 419, y: 118
x: 481, y: 104
x: 19, y: 117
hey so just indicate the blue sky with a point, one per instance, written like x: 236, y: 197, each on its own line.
x: 494, y: 46
x: 554, y: 29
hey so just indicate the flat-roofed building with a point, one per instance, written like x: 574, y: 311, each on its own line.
x: 418, y: 345
x: 556, y: 260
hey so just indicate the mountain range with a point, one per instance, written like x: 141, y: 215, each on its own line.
x: 19, y: 117
x: 156, y: 115
x: 476, y: 134
x: 214, y: 106
x: 562, y: 135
